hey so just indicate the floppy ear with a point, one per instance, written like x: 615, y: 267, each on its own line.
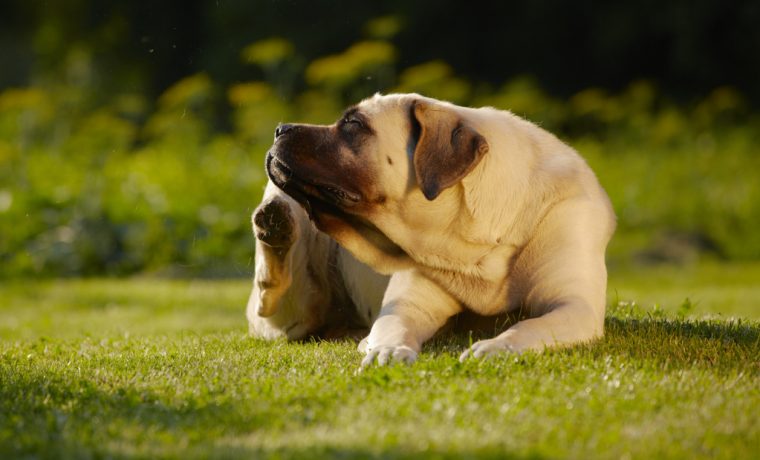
x: 447, y: 149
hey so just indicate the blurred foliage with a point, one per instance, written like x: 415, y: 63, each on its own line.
x: 267, y: 53
x: 349, y: 72
x: 434, y: 77
x: 94, y: 182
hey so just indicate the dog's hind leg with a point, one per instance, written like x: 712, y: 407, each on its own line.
x: 290, y: 294
x: 275, y: 230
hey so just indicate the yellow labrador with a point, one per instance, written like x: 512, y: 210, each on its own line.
x: 463, y: 209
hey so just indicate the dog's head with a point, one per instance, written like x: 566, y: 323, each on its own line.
x: 382, y: 173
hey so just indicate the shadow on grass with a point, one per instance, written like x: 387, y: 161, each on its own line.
x: 63, y: 417
x: 685, y: 343
x: 329, y: 452
x: 56, y: 417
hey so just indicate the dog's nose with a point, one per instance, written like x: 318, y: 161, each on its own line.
x: 282, y: 129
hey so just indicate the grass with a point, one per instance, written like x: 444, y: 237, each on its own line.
x: 712, y: 289
x: 155, y: 368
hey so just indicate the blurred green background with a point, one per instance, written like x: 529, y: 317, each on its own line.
x: 132, y: 133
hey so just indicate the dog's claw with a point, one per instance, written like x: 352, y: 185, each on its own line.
x: 369, y: 359
x: 385, y: 355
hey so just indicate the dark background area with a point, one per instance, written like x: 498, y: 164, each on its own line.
x: 686, y: 47
x: 133, y: 133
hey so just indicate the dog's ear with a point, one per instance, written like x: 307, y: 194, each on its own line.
x: 447, y: 148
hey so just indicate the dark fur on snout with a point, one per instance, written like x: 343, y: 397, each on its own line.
x: 320, y: 166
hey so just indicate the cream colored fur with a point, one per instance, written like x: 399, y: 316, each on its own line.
x: 526, y: 229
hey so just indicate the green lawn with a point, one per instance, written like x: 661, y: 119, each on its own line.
x: 156, y: 368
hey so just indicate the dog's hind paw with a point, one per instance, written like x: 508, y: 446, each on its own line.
x: 274, y: 224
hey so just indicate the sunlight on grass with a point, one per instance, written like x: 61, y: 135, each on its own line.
x: 164, y: 368
x: 712, y: 288
x: 99, y: 308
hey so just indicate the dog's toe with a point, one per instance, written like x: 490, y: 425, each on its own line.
x: 274, y: 224
x: 362, y: 347
x: 487, y: 348
x: 389, y: 354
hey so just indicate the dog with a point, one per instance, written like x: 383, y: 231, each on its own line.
x: 409, y: 210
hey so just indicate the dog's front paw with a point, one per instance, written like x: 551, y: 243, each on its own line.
x: 362, y: 347
x: 487, y: 348
x: 385, y: 354
x: 274, y: 224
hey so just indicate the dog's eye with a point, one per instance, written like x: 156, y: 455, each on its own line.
x: 352, y: 120
x: 457, y: 131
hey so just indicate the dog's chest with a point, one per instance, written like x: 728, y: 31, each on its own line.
x: 482, y: 296
x: 473, y: 272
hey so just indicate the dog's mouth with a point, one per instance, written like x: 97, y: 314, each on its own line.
x: 320, y: 199
x: 310, y: 193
